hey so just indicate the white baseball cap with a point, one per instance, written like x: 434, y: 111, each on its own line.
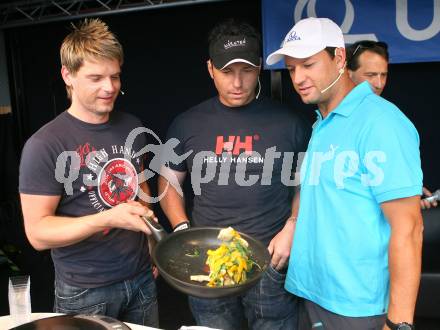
x: 308, y: 37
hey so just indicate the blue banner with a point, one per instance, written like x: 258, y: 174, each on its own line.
x: 411, y: 28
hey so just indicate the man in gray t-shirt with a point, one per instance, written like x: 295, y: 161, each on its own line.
x: 78, y: 183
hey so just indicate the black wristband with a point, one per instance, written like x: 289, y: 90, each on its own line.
x: 399, y: 326
x: 182, y: 226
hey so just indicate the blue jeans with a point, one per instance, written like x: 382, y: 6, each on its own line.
x: 266, y: 306
x: 132, y: 300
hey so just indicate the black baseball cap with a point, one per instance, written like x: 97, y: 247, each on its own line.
x: 233, y: 49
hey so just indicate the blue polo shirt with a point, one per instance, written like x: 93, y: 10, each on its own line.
x: 363, y: 153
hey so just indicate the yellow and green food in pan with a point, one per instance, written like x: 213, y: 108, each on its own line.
x: 229, y: 263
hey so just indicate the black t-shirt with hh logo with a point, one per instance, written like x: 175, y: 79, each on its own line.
x: 98, y: 172
x: 241, y: 163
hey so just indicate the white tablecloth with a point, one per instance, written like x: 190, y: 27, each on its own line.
x: 6, y: 322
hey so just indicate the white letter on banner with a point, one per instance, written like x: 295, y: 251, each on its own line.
x: 345, y: 26
x: 413, y: 34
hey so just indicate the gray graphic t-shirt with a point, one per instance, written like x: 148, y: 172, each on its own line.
x: 102, y: 173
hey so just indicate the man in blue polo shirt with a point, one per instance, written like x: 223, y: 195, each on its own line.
x: 356, y: 253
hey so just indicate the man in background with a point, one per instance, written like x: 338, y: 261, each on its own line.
x: 368, y: 61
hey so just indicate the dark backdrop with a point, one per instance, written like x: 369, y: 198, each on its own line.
x: 165, y: 62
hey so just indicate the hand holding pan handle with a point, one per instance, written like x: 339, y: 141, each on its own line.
x: 156, y: 229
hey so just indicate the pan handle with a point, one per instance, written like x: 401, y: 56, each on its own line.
x: 156, y: 229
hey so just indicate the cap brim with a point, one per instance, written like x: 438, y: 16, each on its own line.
x: 238, y: 60
x: 299, y: 51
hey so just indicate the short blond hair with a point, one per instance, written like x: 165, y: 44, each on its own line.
x: 91, y: 39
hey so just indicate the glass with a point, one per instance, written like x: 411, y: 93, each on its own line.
x: 19, y: 300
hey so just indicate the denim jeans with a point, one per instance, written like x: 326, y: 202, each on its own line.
x: 266, y: 306
x: 132, y: 300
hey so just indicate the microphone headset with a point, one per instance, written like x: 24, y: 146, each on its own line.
x: 341, y: 72
x: 259, y: 88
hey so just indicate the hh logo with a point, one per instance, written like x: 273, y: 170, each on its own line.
x: 234, y: 145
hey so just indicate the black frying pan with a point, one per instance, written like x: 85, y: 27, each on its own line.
x: 175, y: 255
x: 74, y: 322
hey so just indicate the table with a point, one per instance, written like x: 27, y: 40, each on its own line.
x: 5, y: 321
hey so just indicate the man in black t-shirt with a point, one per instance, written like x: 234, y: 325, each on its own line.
x: 78, y: 184
x: 242, y: 151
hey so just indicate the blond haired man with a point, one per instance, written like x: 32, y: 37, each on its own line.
x: 78, y: 183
